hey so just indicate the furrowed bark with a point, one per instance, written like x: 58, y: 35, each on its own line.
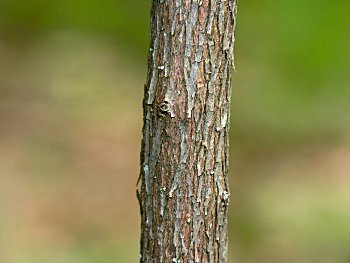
x: 184, y: 191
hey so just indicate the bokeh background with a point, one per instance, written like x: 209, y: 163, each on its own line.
x: 71, y: 83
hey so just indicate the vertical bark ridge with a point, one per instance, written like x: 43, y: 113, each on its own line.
x: 184, y: 158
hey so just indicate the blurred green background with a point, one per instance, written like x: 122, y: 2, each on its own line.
x: 71, y: 83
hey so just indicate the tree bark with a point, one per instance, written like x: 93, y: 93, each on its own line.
x: 184, y: 191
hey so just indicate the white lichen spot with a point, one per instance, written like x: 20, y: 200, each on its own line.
x: 226, y: 195
x: 161, y: 67
x: 199, y: 169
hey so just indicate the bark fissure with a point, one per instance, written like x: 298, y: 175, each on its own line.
x: 184, y: 191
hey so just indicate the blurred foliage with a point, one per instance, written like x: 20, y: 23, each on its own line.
x: 71, y: 83
x: 293, y: 61
x: 124, y: 21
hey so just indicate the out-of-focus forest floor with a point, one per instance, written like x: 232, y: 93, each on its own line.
x: 69, y: 153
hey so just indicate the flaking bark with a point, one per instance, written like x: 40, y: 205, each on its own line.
x: 184, y: 191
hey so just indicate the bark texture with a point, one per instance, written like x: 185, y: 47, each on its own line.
x: 184, y: 191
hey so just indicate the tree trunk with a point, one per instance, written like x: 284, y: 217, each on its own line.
x: 185, y: 149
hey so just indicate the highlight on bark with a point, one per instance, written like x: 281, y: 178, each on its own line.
x: 184, y: 192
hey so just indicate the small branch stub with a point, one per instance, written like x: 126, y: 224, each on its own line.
x: 164, y: 107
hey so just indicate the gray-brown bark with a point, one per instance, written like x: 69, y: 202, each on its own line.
x: 184, y: 158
